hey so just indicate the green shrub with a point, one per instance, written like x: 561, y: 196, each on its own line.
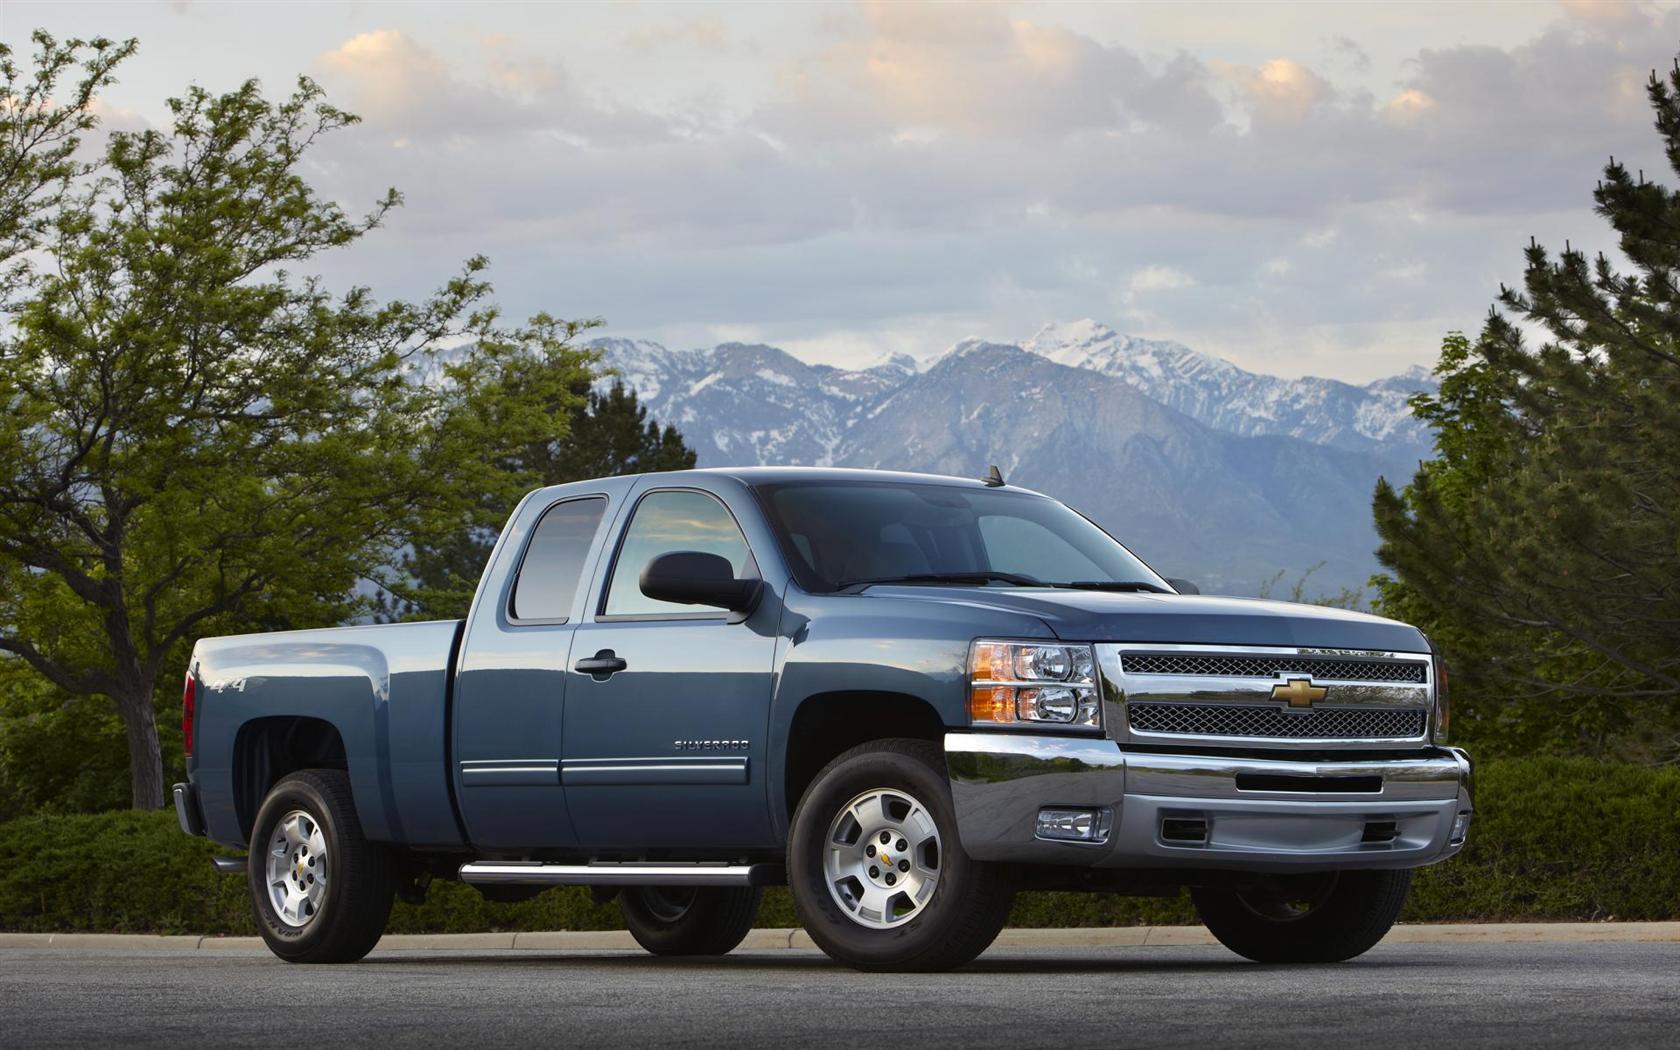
x: 1553, y: 839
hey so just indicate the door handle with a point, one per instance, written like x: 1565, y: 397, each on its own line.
x: 602, y: 666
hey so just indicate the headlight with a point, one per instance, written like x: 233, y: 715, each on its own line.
x: 1016, y: 683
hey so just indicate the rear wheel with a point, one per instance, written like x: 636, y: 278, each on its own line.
x: 672, y: 920
x: 322, y: 892
x: 1324, y: 917
x: 877, y: 872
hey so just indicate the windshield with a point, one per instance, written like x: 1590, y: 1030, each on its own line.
x: 842, y: 533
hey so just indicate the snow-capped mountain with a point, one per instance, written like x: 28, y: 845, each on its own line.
x: 1225, y: 397
x: 1204, y: 469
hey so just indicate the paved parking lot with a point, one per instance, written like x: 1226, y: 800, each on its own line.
x: 1400, y: 995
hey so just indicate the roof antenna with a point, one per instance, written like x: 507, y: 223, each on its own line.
x: 993, y: 478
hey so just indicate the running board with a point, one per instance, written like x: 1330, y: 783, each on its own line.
x: 229, y: 865
x: 536, y: 873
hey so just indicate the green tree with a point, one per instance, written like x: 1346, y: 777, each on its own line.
x: 1541, y: 545
x: 608, y: 434
x: 196, y: 439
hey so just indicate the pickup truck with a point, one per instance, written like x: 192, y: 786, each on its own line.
x: 907, y: 697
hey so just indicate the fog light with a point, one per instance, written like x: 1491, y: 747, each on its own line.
x: 1460, y: 828
x: 1074, y: 825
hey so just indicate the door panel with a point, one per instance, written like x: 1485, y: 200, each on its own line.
x: 669, y: 752
x: 510, y: 688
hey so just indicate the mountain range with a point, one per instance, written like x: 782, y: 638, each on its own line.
x: 1205, y: 470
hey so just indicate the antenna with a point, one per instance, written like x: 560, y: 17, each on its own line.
x: 993, y: 478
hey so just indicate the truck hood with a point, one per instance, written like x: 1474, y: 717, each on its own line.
x: 1100, y: 616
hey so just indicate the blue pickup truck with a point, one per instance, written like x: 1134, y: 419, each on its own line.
x: 907, y: 697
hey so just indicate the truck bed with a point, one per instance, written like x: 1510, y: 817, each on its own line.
x: 383, y: 688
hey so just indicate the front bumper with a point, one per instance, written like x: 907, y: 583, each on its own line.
x: 1255, y: 814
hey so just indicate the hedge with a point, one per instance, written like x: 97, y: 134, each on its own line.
x: 1554, y: 839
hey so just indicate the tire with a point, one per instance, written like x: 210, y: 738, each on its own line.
x: 307, y: 825
x: 948, y: 908
x: 668, y: 920
x: 1330, y: 917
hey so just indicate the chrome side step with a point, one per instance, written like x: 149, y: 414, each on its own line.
x: 537, y: 873
x: 229, y: 865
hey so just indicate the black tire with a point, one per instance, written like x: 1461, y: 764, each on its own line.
x: 1329, y: 917
x: 969, y: 903
x: 362, y: 882
x: 668, y: 920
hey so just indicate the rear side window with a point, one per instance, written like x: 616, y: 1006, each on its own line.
x: 673, y: 520
x: 548, y: 577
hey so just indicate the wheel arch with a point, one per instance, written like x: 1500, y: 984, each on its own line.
x: 268, y: 748
x: 826, y: 725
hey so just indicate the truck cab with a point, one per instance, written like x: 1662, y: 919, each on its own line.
x: 907, y: 696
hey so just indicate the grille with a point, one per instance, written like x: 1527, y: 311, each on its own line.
x: 1257, y: 720
x: 1267, y: 665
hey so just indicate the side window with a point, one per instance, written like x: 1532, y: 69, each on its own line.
x: 673, y: 521
x: 548, y: 577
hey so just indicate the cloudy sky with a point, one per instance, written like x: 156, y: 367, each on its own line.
x: 1301, y: 188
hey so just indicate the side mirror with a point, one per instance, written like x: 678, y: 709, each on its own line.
x: 1182, y: 586
x: 698, y: 578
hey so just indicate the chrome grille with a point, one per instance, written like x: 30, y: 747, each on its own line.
x: 1271, y: 665
x: 1258, y: 720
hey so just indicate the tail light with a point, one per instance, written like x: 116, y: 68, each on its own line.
x: 189, y: 698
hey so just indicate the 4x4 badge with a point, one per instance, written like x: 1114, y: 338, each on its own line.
x: 1300, y: 692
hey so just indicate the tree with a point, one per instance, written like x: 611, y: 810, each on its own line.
x: 608, y: 434
x: 1541, y: 545
x: 196, y: 439
x: 40, y: 128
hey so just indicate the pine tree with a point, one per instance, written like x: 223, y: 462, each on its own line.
x: 1541, y: 546
x: 609, y: 434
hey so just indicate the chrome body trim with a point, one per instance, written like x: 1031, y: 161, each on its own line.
x: 674, y: 769
x: 999, y: 782
x: 1120, y: 688
x: 511, y: 772
x: 536, y: 873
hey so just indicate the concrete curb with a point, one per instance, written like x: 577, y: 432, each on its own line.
x: 782, y: 940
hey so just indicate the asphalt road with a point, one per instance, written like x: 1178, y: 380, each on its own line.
x: 1403, y: 995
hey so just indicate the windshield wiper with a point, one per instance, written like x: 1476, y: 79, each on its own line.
x: 1112, y: 585
x: 949, y: 577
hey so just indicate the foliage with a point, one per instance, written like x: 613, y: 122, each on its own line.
x: 1346, y: 598
x: 1553, y: 839
x: 609, y: 434
x: 40, y: 128
x: 194, y: 438
x: 1541, y: 546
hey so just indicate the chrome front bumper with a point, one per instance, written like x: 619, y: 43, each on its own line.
x: 1257, y: 814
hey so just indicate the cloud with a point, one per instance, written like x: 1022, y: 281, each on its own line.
x: 970, y: 70
x: 412, y: 93
x: 1156, y: 278
x: 950, y: 169
x: 707, y: 33
x: 1282, y: 90
x: 1616, y: 13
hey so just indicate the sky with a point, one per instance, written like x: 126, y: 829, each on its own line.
x: 1299, y: 188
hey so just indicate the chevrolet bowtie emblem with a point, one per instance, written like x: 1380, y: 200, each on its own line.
x: 1300, y: 692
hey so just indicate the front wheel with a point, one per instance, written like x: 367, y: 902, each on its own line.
x: 877, y: 871
x: 321, y: 890
x: 1326, y: 917
x: 669, y: 920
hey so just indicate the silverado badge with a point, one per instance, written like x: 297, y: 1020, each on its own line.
x: 1300, y: 692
